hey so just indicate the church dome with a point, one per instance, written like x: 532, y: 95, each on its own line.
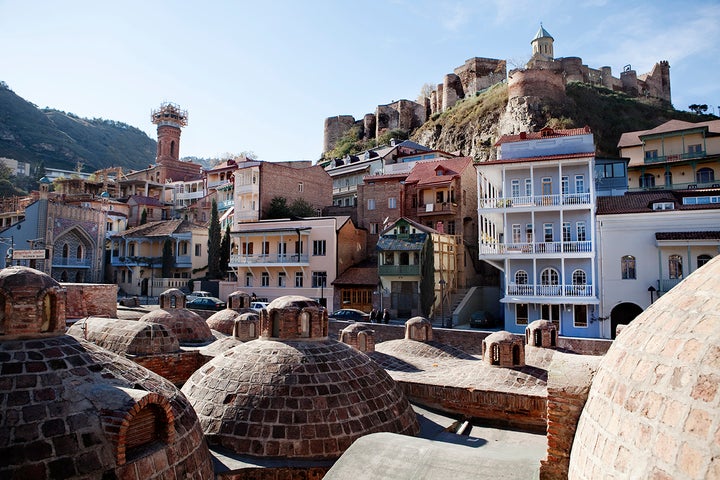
x: 654, y: 403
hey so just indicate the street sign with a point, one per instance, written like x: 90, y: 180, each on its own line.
x: 28, y: 254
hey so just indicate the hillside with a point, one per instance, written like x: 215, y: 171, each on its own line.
x: 62, y: 140
x: 474, y: 124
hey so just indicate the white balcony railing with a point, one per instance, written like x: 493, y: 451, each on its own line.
x: 531, y: 290
x: 535, y: 200
x: 236, y: 260
x: 535, y: 248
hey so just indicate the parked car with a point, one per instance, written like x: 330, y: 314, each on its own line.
x: 481, y: 319
x: 258, y: 306
x: 199, y: 294
x: 206, y: 303
x: 350, y: 314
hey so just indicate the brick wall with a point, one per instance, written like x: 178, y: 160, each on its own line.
x: 283, y: 181
x: 546, y: 84
x: 85, y: 299
x: 274, y: 473
x: 175, y: 367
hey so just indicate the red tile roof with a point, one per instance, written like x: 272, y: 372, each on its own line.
x: 629, y: 139
x: 425, y: 172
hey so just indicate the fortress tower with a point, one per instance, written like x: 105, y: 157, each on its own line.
x: 169, y: 119
x: 542, y: 44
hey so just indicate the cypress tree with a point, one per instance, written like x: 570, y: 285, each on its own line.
x: 214, y: 243
x: 225, y: 251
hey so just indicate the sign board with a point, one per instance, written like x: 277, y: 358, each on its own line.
x: 28, y: 254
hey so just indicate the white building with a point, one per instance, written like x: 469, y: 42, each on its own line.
x: 537, y: 225
x: 648, y: 242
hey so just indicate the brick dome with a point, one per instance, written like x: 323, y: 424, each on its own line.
x: 220, y: 346
x: 418, y: 329
x: 296, y: 399
x: 126, y: 337
x: 503, y: 349
x: 223, y: 321
x: 654, y: 404
x: 359, y: 336
x: 31, y: 302
x: 188, y: 327
x: 72, y: 410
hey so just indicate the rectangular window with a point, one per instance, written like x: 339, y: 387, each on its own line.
x: 265, y: 279
x: 521, y: 314
x: 695, y: 148
x: 301, y: 187
x: 439, y: 197
x: 198, y: 249
x: 551, y: 312
x: 548, y: 232
x: 298, y: 247
x: 319, y: 279
x: 528, y: 187
x: 298, y: 279
x: 265, y: 248
x: 319, y: 248
x: 651, y: 154
x: 282, y: 249
x: 371, y: 204
x: 248, y: 279
x: 281, y: 279
x: 627, y: 267
x: 581, y: 234
x: 565, y: 185
x: 566, y: 232
x: 516, y: 238
x: 451, y: 227
x: 579, y: 183
x: 529, y: 233
x: 580, y: 316
x: 247, y: 248
x: 547, y: 186
x: 392, y: 202
x: 515, y: 188
x: 373, y: 229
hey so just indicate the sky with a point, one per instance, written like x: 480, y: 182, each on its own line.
x: 262, y: 76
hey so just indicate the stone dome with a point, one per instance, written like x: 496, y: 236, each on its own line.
x: 74, y: 410
x: 187, y: 326
x: 126, y: 337
x: 296, y: 399
x: 654, y: 404
x: 220, y: 346
x: 418, y: 329
x: 223, y: 321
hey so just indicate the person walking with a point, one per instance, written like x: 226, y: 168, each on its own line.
x: 373, y: 315
x: 386, y: 316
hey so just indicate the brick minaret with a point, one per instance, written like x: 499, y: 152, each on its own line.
x: 169, y: 119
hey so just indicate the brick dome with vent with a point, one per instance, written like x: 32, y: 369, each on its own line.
x: 72, y: 410
x: 189, y: 327
x: 295, y: 393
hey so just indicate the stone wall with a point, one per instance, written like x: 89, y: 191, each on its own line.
x: 547, y: 84
x: 403, y: 114
x: 85, y: 299
x: 334, y: 129
x: 274, y: 473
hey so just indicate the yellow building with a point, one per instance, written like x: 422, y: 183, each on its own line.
x: 676, y: 155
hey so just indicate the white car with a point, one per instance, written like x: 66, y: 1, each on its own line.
x: 258, y: 306
x: 198, y: 294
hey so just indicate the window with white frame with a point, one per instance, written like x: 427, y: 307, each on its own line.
x: 319, y: 279
x: 550, y: 312
x: 580, y: 313
x: 579, y: 277
x: 265, y: 279
x: 550, y: 276
x: 581, y: 234
x: 579, y: 183
x: 516, y: 234
x: 371, y: 204
x: 319, y: 247
x: 547, y: 186
x: 702, y: 260
x: 548, y: 232
x: 521, y: 277
x: 529, y: 233
x: 565, y: 185
x: 528, y: 187
x: 265, y: 247
x: 374, y: 228
x: 566, y: 232
x: 515, y: 188
x: 298, y: 279
x: 392, y: 202
x: 301, y: 187
x: 282, y: 279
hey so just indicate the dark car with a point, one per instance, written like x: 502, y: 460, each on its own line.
x: 351, y: 315
x: 206, y: 303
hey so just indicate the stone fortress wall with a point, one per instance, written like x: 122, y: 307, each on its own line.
x: 543, y: 77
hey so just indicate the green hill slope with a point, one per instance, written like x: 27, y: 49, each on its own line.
x: 62, y: 140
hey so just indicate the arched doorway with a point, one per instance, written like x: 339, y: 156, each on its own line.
x: 622, y: 314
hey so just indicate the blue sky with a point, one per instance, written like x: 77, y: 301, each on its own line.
x: 262, y: 76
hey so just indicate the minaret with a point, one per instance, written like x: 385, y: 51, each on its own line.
x: 169, y: 119
x: 542, y: 44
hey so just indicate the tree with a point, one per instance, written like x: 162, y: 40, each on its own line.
x: 225, y: 250
x: 699, y: 109
x: 301, y: 208
x: 143, y: 217
x: 278, y: 208
x: 168, y: 258
x: 425, y: 92
x: 214, y: 243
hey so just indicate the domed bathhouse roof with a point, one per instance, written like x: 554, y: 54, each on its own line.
x: 503, y: 349
x: 74, y: 410
x: 189, y: 327
x: 126, y: 337
x: 654, y: 404
x: 223, y: 321
x: 295, y: 394
x: 418, y: 329
x: 359, y: 336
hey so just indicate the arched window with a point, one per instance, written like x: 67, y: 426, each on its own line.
x: 304, y: 324
x: 537, y: 338
x: 550, y: 276
x: 65, y: 250
x: 79, y: 252
x: 172, y: 148
x: 579, y: 277
x: 702, y: 260
x: 521, y: 277
x: 675, y: 267
x: 495, y: 352
x: 516, y: 355
x: 647, y: 180
x: 627, y: 267
x: 705, y: 175
x: 275, y: 320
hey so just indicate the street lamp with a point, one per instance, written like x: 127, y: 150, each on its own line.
x: 442, y: 298
x: 652, y: 290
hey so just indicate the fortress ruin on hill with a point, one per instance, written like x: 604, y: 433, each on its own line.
x: 544, y: 78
